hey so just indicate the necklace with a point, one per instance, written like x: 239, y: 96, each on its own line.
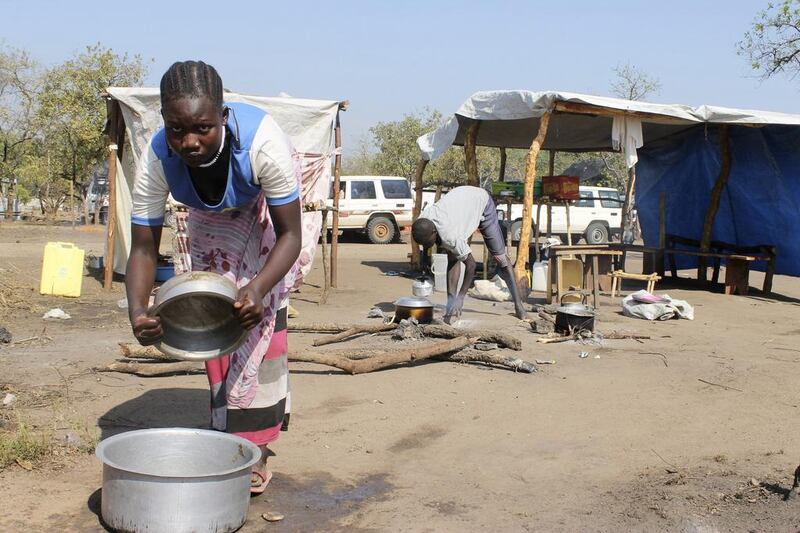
x: 219, y: 152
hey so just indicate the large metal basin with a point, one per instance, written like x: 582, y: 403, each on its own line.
x: 176, y: 480
x: 197, y: 316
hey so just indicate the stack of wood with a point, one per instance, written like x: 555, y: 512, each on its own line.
x: 147, y: 361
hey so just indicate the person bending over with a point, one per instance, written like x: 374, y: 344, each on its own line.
x: 449, y: 223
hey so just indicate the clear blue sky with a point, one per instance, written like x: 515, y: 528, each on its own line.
x: 395, y: 57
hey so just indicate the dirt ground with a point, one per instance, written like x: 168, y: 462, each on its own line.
x: 627, y: 438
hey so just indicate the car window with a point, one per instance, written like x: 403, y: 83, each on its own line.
x: 587, y: 200
x: 395, y: 189
x: 342, y: 190
x: 610, y: 199
x: 362, y: 190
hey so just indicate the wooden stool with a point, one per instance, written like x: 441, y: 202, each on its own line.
x: 618, y: 275
x: 737, y: 276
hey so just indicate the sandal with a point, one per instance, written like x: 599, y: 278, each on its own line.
x: 256, y: 486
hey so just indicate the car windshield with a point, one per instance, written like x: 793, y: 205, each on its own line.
x: 395, y: 189
x: 610, y: 199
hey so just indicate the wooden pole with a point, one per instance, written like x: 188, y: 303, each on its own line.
x: 538, y: 231
x: 716, y: 195
x: 470, y: 153
x: 503, y: 157
x: 323, y: 299
x: 416, y: 260
x: 627, y: 205
x: 662, y: 232
x: 523, y: 247
x: 438, y: 195
x: 108, y: 272
x: 337, y: 173
x: 72, y: 201
x: 569, y: 229
x: 551, y: 169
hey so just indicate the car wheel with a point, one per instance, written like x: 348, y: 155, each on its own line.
x: 380, y: 230
x: 596, y: 233
x: 169, y: 219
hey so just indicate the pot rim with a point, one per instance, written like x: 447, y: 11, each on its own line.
x: 103, y: 444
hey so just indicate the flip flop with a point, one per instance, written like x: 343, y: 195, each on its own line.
x: 261, y: 486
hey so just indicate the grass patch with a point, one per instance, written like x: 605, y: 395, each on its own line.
x: 22, y: 446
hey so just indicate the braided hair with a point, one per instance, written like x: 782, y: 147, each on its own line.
x: 191, y: 79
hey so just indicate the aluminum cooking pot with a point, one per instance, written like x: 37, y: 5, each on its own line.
x: 175, y: 480
x: 197, y: 316
x: 420, y: 309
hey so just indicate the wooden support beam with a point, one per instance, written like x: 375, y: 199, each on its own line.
x: 716, y: 195
x: 116, y: 138
x: 470, y: 153
x: 523, y: 248
x: 416, y: 258
x: 503, y: 157
x: 587, y: 109
x: 662, y: 232
x: 337, y: 173
x: 627, y: 207
x: 551, y: 169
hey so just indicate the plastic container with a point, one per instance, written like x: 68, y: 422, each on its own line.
x: 62, y: 270
x: 439, y: 268
x: 539, y: 276
x: 163, y: 273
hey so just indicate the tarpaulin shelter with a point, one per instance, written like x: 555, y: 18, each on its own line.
x: 313, y: 126
x: 731, y: 175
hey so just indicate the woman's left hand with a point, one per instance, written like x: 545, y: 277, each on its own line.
x: 248, y: 307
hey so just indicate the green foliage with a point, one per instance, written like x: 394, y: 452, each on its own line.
x: 21, y: 445
x: 71, y: 112
x: 772, y: 45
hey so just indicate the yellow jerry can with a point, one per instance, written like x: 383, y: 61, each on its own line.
x: 62, y: 269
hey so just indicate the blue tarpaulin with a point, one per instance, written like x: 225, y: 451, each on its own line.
x: 759, y: 205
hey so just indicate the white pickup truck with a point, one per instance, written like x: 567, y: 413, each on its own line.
x: 595, y: 217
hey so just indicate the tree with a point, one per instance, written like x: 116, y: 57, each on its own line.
x: 397, y: 143
x: 18, y: 91
x: 772, y: 45
x: 72, y: 113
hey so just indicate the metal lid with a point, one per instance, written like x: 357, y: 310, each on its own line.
x: 413, y: 301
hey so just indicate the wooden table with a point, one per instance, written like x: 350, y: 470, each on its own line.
x: 588, y: 250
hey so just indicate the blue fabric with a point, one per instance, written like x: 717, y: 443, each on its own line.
x: 283, y: 200
x: 758, y: 206
x: 243, y: 122
x: 142, y: 221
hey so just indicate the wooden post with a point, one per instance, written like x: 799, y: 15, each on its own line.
x: 416, y: 260
x: 470, y: 153
x: 337, y: 173
x: 523, y: 248
x: 662, y: 232
x: 108, y: 272
x: 503, y: 157
x: 627, y: 204
x: 716, y: 195
x: 569, y: 230
x: 438, y: 195
x: 72, y: 199
x: 323, y: 299
x: 538, y: 231
x: 551, y: 169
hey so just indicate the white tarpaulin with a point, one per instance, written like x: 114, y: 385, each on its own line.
x: 309, y: 124
x: 510, y: 119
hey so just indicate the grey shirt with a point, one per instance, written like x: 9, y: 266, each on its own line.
x: 457, y: 216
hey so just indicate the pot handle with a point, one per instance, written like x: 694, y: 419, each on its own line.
x: 582, y: 294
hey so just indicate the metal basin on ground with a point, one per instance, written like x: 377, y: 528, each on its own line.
x: 176, y: 480
x: 197, y: 316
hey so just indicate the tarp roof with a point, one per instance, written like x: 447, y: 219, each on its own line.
x: 580, y: 123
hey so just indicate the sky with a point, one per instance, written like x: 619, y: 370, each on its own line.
x: 391, y: 58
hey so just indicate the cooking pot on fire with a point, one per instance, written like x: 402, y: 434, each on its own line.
x: 420, y: 309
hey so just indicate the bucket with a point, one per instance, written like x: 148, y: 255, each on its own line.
x: 439, y: 269
x: 539, y: 277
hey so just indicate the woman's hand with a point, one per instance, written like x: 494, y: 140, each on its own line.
x: 248, y: 307
x: 146, y: 328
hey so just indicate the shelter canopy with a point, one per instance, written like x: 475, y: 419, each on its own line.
x: 579, y: 123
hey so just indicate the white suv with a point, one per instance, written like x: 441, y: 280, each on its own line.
x: 596, y: 216
x: 379, y: 206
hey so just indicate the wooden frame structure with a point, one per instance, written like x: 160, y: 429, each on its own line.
x: 539, y: 136
x: 115, y: 134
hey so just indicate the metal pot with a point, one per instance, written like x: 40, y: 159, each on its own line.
x: 574, y: 316
x: 176, y: 480
x: 422, y: 287
x: 420, y: 309
x: 197, y: 316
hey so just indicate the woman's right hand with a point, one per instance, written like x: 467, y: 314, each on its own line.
x: 146, y: 328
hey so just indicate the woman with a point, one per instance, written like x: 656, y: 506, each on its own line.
x: 238, y: 174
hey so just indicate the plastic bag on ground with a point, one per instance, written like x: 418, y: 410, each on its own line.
x: 642, y: 304
x: 494, y: 290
